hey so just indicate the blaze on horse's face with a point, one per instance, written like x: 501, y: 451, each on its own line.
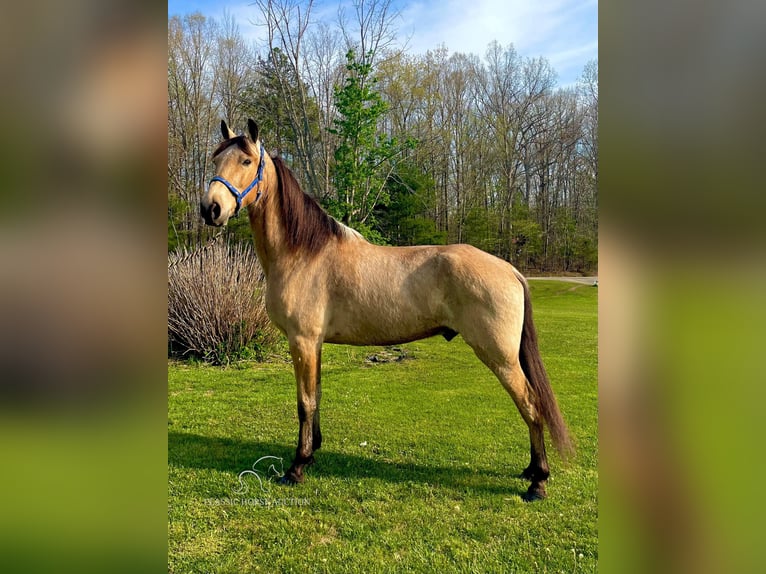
x: 236, y: 160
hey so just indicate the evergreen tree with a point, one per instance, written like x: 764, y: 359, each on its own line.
x: 405, y: 219
x: 364, y: 159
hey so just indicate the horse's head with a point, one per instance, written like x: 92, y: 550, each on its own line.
x: 239, y: 163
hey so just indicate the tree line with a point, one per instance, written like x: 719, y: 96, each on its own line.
x: 408, y: 149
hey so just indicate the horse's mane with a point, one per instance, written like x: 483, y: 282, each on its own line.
x: 307, y: 226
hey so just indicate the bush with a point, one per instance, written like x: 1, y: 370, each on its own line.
x: 216, y: 310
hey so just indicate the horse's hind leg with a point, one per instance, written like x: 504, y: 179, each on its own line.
x: 513, y: 380
x: 511, y: 376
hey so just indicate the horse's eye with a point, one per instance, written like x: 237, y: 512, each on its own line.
x: 247, y: 162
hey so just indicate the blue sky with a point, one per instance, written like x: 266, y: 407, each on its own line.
x: 563, y: 31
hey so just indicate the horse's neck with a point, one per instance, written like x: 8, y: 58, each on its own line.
x: 265, y: 235
x: 266, y: 224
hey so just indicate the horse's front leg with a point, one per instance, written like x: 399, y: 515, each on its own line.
x: 306, y: 354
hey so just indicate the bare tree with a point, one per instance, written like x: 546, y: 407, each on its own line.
x: 503, y: 111
x: 234, y: 67
x: 192, y: 81
x: 287, y: 23
x: 370, y: 31
x: 588, y: 92
x: 325, y: 68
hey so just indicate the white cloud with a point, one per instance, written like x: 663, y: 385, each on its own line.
x: 564, y: 31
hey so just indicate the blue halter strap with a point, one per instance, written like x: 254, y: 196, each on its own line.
x: 240, y: 195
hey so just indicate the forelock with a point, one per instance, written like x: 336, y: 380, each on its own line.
x: 240, y: 141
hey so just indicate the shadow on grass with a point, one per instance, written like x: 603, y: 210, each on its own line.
x: 234, y: 456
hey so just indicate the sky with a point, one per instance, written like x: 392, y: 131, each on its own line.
x: 563, y: 31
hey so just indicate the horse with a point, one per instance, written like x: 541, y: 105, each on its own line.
x: 326, y: 284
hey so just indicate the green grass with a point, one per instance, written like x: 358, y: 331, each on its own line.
x: 434, y: 489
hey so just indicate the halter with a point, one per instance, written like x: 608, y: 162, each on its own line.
x: 239, y: 196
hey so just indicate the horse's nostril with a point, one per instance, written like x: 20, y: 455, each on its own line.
x: 215, y: 211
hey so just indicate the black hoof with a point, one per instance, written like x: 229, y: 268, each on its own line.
x: 291, y: 479
x: 534, y: 494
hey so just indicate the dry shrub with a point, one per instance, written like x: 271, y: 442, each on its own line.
x: 216, y: 309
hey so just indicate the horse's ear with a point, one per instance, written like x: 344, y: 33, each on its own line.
x: 226, y: 132
x: 252, y: 129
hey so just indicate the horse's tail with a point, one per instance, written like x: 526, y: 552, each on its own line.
x: 543, y: 397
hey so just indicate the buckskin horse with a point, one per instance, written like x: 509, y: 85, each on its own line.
x: 326, y: 284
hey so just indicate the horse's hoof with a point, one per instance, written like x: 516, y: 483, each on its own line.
x: 534, y: 494
x: 291, y: 479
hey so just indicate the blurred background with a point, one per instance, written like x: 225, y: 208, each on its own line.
x: 83, y: 286
x: 682, y: 280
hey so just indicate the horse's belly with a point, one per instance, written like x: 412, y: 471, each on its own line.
x: 388, y: 312
x: 384, y: 329
x: 380, y: 338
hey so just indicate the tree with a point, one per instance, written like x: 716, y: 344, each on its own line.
x: 287, y: 26
x: 192, y: 113
x: 363, y: 159
x: 405, y: 219
x: 234, y: 66
x: 264, y: 100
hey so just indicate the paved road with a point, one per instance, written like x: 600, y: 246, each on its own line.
x: 583, y: 280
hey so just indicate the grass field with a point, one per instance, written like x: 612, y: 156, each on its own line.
x: 417, y: 472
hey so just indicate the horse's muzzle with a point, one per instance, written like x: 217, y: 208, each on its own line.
x: 210, y: 213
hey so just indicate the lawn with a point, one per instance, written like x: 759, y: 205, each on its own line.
x: 417, y: 471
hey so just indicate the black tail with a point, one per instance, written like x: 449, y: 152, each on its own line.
x: 532, y: 365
